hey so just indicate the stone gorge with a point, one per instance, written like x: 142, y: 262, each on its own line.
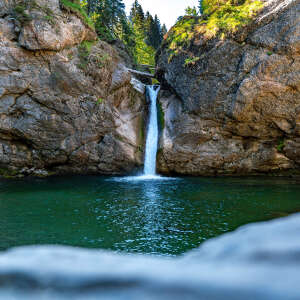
x: 69, y: 105
x: 229, y: 104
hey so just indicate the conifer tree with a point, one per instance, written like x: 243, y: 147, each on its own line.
x: 164, y: 30
x: 200, y: 6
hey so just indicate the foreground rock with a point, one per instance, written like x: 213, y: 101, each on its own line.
x: 237, y: 105
x: 259, y: 261
x: 67, y: 102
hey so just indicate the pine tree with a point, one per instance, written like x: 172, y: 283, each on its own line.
x: 164, y: 30
x: 144, y: 51
x: 109, y: 15
x: 200, y: 6
x: 141, y: 33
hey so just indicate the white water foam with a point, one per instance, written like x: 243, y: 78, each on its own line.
x: 152, y: 134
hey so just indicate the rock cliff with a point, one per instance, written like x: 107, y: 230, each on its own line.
x: 67, y: 101
x: 232, y: 105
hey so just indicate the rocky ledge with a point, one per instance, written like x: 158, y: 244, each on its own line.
x: 259, y: 261
x: 67, y: 101
x: 232, y: 105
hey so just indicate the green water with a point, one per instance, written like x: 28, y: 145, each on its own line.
x: 155, y: 216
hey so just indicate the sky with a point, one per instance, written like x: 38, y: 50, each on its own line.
x: 167, y: 10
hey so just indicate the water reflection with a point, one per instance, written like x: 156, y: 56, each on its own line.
x: 151, y: 211
x: 166, y: 216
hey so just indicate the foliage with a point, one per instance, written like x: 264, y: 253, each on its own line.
x: 181, y: 35
x: 161, y: 116
x: 191, y: 61
x: 8, y: 173
x: 84, y: 50
x: 21, y: 15
x: 153, y: 31
x: 219, y: 18
x: 75, y: 7
x: 191, y: 11
x: 148, y: 34
x: 22, y: 12
x: 141, y: 34
x: 280, y: 145
x: 228, y: 16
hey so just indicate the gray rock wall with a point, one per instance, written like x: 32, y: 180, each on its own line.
x: 67, y: 102
x: 236, y: 109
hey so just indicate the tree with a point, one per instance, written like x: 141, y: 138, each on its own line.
x: 200, y: 6
x: 191, y: 11
x: 141, y: 33
x: 137, y: 15
x: 108, y: 15
x: 164, y: 30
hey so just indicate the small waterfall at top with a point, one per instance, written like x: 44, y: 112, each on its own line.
x: 152, y: 133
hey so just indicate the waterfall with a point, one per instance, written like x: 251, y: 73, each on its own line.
x: 152, y: 133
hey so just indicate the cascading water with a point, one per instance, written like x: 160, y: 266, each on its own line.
x: 152, y: 133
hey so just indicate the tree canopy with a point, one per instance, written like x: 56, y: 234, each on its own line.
x: 140, y: 32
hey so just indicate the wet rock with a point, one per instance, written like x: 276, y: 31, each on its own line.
x: 236, y: 109
x: 259, y: 261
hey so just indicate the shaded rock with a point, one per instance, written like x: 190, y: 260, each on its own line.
x: 68, y: 104
x: 258, y: 261
x: 236, y: 107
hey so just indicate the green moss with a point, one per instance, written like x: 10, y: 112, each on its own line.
x: 84, y: 50
x: 142, y: 128
x: 21, y: 15
x: 70, y: 56
x: 161, y: 116
x: 79, y: 11
x: 88, y: 45
x: 50, y: 19
x: 8, y: 173
x: 191, y: 61
x: 103, y: 59
x: 155, y: 81
x: 100, y: 100
x: 269, y: 53
x: 280, y: 145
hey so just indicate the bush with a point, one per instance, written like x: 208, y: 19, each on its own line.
x: 79, y: 11
x: 220, y: 18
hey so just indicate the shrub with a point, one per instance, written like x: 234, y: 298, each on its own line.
x: 280, y: 145
x: 79, y: 11
x: 220, y: 18
x: 191, y: 61
x: 21, y: 15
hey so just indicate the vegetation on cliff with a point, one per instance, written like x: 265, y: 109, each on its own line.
x: 215, y: 18
x: 76, y: 8
x: 140, y: 32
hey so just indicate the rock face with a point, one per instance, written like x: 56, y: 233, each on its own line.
x: 67, y: 102
x: 258, y: 261
x: 236, y: 109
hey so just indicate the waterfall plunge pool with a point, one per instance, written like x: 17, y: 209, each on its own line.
x: 165, y: 217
